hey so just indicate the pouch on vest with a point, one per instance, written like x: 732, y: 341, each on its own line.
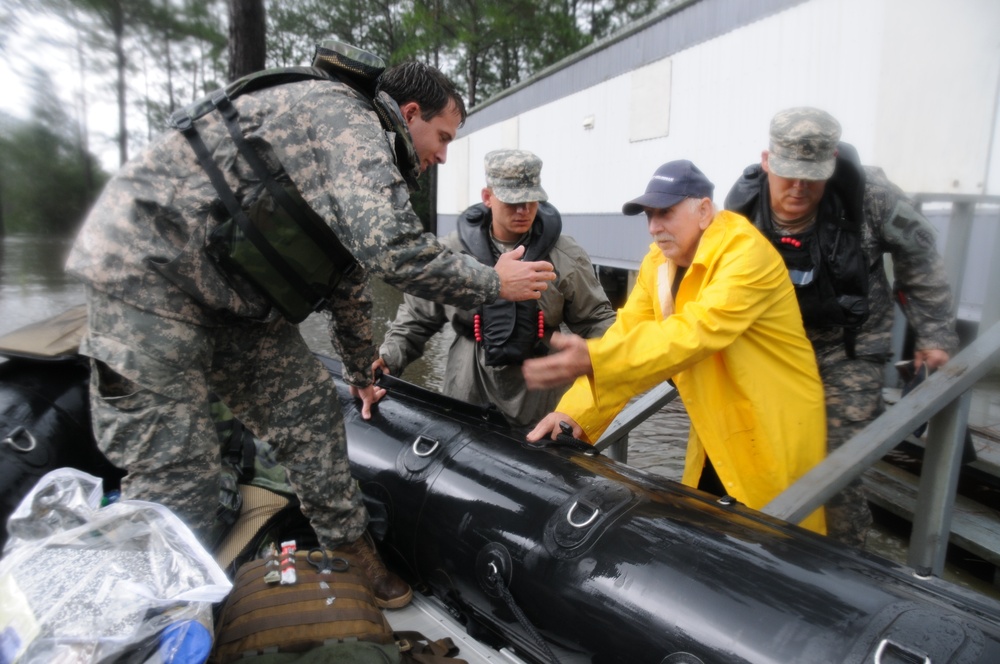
x: 847, y: 263
x: 235, y: 250
x: 837, y: 294
x: 815, y: 288
x: 510, y: 332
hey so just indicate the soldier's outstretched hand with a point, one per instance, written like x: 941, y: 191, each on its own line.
x: 522, y: 280
x: 369, y: 396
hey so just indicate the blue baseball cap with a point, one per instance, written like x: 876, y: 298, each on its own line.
x: 671, y: 183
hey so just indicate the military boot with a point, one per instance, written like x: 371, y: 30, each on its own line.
x: 391, y: 592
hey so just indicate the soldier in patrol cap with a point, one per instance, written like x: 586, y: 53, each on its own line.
x: 491, y: 341
x: 812, y: 197
x: 515, y: 176
x: 170, y: 322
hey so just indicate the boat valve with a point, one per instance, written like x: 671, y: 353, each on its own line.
x: 493, y: 568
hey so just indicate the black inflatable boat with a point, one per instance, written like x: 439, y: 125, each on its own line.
x: 563, y: 555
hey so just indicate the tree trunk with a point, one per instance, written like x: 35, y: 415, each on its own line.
x: 117, y: 23
x: 246, y: 37
x: 81, y: 130
x: 168, y: 39
x: 3, y: 231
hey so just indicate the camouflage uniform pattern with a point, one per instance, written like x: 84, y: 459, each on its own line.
x: 266, y: 473
x: 167, y: 326
x: 150, y: 386
x: 144, y: 242
x: 803, y: 144
x: 893, y: 226
x: 515, y: 176
x: 575, y: 299
x: 853, y: 391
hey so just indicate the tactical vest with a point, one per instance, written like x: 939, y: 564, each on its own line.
x: 827, y: 263
x: 510, y: 332
x: 286, y: 251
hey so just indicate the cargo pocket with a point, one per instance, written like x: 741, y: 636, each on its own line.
x: 117, y: 391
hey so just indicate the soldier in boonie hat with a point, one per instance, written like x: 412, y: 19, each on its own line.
x: 803, y: 144
x: 515, y: 176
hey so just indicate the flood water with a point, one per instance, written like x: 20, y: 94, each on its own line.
x: 428, y: 371
x: 33, y: 285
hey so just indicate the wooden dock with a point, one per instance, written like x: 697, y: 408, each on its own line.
x: 974, y: 541
x: 975, y: 527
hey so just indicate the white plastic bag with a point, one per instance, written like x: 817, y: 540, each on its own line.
x: 124, y: 583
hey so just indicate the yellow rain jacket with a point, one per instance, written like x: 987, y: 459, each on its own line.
x: 734, y: 344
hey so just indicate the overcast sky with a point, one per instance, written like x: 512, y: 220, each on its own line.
x: 33, y: 44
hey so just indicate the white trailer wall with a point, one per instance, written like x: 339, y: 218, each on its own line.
x: 915, y: 84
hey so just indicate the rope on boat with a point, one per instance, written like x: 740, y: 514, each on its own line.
x: 497, y: 580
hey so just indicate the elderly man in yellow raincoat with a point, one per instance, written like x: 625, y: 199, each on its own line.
x: 714, y: 309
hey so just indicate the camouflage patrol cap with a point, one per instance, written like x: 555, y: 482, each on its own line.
x: 803, y: 144
x: 515, y: 176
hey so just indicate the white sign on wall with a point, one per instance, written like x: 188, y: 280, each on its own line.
x: 649, y: 112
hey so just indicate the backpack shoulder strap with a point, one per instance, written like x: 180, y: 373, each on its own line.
x: 258, y: 80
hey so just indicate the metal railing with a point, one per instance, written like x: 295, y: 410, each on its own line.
x: 957, y: 247
x: 615, y: 437
x: 943, y: 398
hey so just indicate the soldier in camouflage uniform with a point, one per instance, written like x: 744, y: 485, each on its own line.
x: 514, y: 212
x: 812, y: 197
x: 167, y: 326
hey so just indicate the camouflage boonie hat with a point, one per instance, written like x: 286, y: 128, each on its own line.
x: 803, y: 144
x: 515, y: 176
